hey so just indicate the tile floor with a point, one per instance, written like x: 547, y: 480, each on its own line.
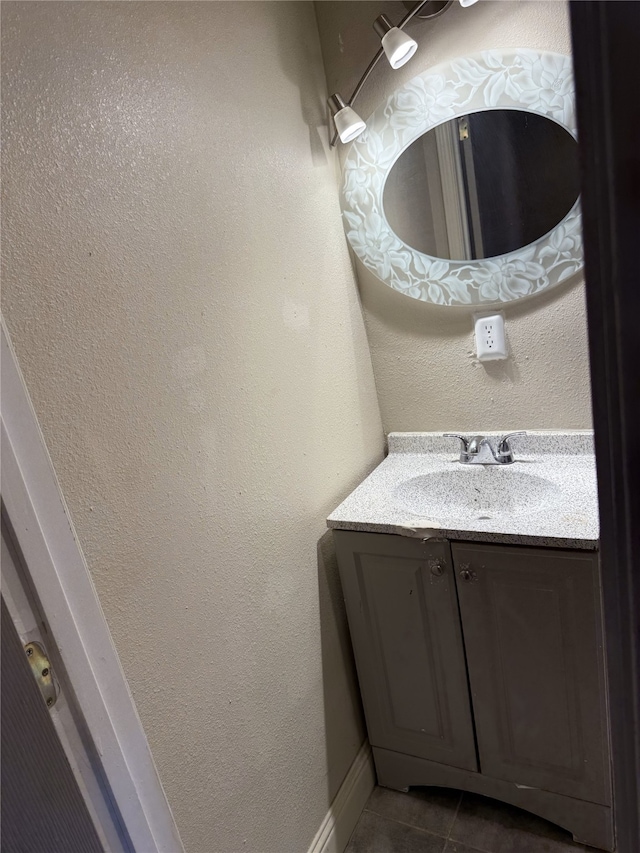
x: 439, y: 820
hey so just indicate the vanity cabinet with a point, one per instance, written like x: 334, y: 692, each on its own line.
x: 403, y: 617
x: 533, y: 641
x: 481, y: 667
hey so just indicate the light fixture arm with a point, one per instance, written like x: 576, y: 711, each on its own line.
x: 403, y: 23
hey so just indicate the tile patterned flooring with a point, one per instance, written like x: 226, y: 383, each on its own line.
x: 439, y: 820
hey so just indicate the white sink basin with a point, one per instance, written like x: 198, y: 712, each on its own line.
x: 547, y: 497
x: 477, y: 493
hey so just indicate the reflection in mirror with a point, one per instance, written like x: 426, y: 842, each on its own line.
x: 483, y: 184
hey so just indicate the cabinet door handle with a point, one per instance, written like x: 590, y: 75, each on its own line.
x: 467, y: 574
x: 436, y: 566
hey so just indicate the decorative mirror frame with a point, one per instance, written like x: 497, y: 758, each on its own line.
x: 530, y: 80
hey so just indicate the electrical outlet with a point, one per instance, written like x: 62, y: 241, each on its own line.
x: 491, y: 343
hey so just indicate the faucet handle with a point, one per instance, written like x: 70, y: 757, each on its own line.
x: 463, y: 438
x: 503, y: 448
x: 465, y: 445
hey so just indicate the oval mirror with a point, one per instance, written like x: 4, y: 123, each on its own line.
x: 463, y: 190
x: 483, y: 184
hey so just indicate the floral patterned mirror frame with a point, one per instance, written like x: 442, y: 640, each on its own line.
x: 539, y: 82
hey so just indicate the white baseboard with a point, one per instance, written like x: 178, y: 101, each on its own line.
x: 344, y: 812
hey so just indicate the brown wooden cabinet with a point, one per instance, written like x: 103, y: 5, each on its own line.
x: 481, y: 667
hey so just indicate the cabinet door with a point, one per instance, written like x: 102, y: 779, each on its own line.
x: 405, y: 628
x: 531, y: 625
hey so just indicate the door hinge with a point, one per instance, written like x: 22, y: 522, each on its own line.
x: 42, y: 672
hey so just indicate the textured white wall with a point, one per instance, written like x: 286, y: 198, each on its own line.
x: 424, y: 356
x: 179, y: 292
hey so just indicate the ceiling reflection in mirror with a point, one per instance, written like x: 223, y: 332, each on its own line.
x: 483, y: 184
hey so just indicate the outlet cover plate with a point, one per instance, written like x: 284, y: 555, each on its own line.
x: 491, y: 342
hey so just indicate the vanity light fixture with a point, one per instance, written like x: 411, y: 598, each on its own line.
x: 398, y: 48
x: 347, y: 121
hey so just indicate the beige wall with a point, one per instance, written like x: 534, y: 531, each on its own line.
x: 179, y: 292
x: 424, y: 356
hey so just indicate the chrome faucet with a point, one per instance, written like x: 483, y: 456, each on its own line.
x: 478, y: 450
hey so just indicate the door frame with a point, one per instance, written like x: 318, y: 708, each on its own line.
x: 59, y: 577
x: 23, y: 610
x: 604, y: 36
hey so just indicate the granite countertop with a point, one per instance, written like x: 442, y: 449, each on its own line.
x: 548, y: 496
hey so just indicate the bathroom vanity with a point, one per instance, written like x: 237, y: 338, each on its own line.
x: 472, y: 595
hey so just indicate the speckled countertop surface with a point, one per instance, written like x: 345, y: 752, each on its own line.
x: 548, y: 496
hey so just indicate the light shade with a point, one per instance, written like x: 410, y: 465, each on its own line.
x: 397, y: 45
x: 467, y: 2
x: 348, y: 122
